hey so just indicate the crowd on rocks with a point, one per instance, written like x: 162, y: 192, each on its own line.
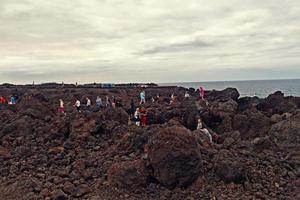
x: 169, y: 143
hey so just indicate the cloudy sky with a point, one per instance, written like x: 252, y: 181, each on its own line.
x: 148, y: 40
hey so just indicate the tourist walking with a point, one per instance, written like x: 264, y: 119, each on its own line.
x: 61, y: 108
x: 99, y: 104
x: 78, y: 106
x: 201, y: 93
x: 3, y: 100
x: 143, y: 116
x: 88, y: 103
x: 142, y: 97
x: 136, y: 117
x: 204, y: 130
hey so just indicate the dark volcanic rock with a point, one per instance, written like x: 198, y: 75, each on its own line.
x: 251, y: 124
x: 20, y: 127
x: 229, y: 169
x: 128, y: 175
x: 190, y: 117
x: 224, y: 95
x: 287, y: 132
x: 174, y: 155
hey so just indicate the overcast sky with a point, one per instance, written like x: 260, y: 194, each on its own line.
x: 148, y: 40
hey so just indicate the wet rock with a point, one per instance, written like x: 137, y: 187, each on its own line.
x: 175, y: 157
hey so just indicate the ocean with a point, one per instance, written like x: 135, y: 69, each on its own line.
x: 260, y: 88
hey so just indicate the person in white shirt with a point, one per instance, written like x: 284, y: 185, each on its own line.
x: 88, y: 103
x: 61, y: 108
x: 77, y: 105
x: 137, y: 117
x: 186, y: 95
x: 204, y: 130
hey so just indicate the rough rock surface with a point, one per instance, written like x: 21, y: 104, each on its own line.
x: 168, y: 150
x: 102, y: 155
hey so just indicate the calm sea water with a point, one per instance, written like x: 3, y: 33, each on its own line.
x: 260, y: 88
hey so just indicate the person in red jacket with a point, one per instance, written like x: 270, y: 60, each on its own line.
x: 143, y: 116
x: 2, y: 100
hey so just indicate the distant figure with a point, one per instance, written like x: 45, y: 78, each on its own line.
x: 113, y: 104
x: 61, y: 108
x: 62, y: 84
x: 186, y: 95
x: 143, y: 116
x: 78, y: 106
x: 142, y: 97
x: 172, y: 100
x: 2, y: 100
x: 199, y: 126
x: 76, y: 84
x: 99, y: 104
x: 132, y: 107
x: 201, y: 93
x: 12, y: 100
x: 153, y: 100
x: 32, y: 82
x: 204, y: 130
x: 88, y: 103
x: 107, y: 103
x: 136, y: 117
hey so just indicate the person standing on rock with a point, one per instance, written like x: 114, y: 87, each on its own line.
x: 143, y: 116
x: 99, y: 104
x: 204, y: 130
x: 61, y: 108
x: 136, y: 117
x: 172, y: 100
x: 2, y: 100
x: 186, y: 95
x: 142, y: 97
x: 88, y: 103
x: 201, y: 93
x: 12, y: 100
x: 107, y: 103
x: 78, y: 106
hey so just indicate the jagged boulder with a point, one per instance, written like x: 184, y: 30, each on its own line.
x: 229, y: 168
x: 251, y: 124
x: 223, y: 95
x: 114, y: 114
x: 19, y: 127
x: 287, y: 132
x: 129, y: 175
x: 174, y: 156
x: 190, y: 117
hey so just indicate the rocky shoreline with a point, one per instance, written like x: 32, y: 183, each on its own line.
x: 99, y: 155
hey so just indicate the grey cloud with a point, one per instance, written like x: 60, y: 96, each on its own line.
x: 179, y: 47
x: 142, y: 39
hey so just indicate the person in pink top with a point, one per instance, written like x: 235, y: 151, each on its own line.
x: 201, y: 92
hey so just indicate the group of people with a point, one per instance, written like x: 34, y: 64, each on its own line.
x: 11, y: 100
x: 88, y: 105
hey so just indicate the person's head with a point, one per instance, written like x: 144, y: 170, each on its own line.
x: 199, y: 120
